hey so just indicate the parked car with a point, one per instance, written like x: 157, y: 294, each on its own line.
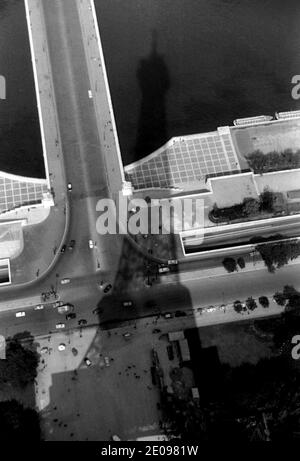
x: 60, y: 326
x: 168, y: 315
x: 72, y: 245
x: 107, y: 288
x: 69, y: 187
x: 65, y: 281
x: 39, y: 307
x: 82, y: 322
x: 172, y: 262
x: 44, y: 350
x: 90, y: 94
x: 87, y: 362
x: 61, y: 347
x: 156, y: 330
x: 127, y: 303
x: 64, y: 308
x: 20, y: 314
x: 127, y: 335
x: 180, y: 314
x: 71, y: 316
x: 153, y: 376
x: 57, y: 304
x: 107, y: 361
x: 163, y: 270
x: 91, y: 244
x: 63, y: 248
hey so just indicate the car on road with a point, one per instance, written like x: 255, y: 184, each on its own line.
x: 87, y: 362
x: 61, y: 347
x: 39, y: 307
x: 163, y: 270
x: 127, y: 303
x: 90, y: 94
x: 82, y: 322
x: 63, y: 248
x: 91, y: 244
x: 72, y: 245
x: 210, y: 309
x: 44, y: 350
x: 180, y: 314
x: 20, y: 314
x: 60, y: 326
x: 71, y: 316
x: 172, y: 262
x: 127, y: 335
x: 57, y: 304
x: 107, y: 288
x: 107, y: 361
x: 65, y: 281
x: 69, y: 187
x: 168, y: 315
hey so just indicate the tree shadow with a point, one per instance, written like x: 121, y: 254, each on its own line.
x: 154, y: 82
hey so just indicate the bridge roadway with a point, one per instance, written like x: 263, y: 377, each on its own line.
x: 85, y: 167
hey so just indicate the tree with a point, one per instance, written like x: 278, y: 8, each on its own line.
x: 251, y: 303
x: 230, y: 264
x: 267, y: 200
x: 241, y: 263
x: 18, y: 423
x: 238, y: 307
x: 263, y: 301
x: 279, y: 298
x: 251, y: 206
x: 19, y: 368
x: 278, y: 254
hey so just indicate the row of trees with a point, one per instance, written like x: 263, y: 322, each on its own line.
x: 278, y: 254
x: 273, y: 161
x: 231, y: 265
x: 250, y: 304
x: 249, y: 208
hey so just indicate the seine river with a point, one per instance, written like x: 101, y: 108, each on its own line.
x: 20, y: 144
x: 175, y: 67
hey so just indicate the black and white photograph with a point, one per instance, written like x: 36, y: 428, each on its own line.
x: 149, y: 224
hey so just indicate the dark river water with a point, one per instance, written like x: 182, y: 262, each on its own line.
x: 174, y: 66
x: 20, y: 143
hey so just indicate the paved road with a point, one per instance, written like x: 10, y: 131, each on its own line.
x: 83, y: 156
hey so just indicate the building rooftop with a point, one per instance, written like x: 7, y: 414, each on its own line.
x: 16, y: 191
x: 186, y: 159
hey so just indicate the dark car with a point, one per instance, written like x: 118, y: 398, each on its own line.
x: 153, y: 376
x: 107, y: 288
x: 71, y: 316
x: 180, y: 314
x: 156, y: 330
x: 72, y: 245
x: 82, y: 322
x: 63, y: 248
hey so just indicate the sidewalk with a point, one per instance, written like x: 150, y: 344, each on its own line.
x: 42, y: 241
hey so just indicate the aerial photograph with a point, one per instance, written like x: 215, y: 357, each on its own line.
x: 149, y: 221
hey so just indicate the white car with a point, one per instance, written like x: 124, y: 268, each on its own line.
x: 163, y: 270
x: 107, y: 361
x: 44, y: 350
x: 20, y: 314
x: 90, y: 94
x: 172, y: 261
x: 69, y: 187
x: 61, y: 347
x: 39, y: 307
x: 127, y: 303
x: 65, y: 281
x: 91, y: 244
x: 59, y: 326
